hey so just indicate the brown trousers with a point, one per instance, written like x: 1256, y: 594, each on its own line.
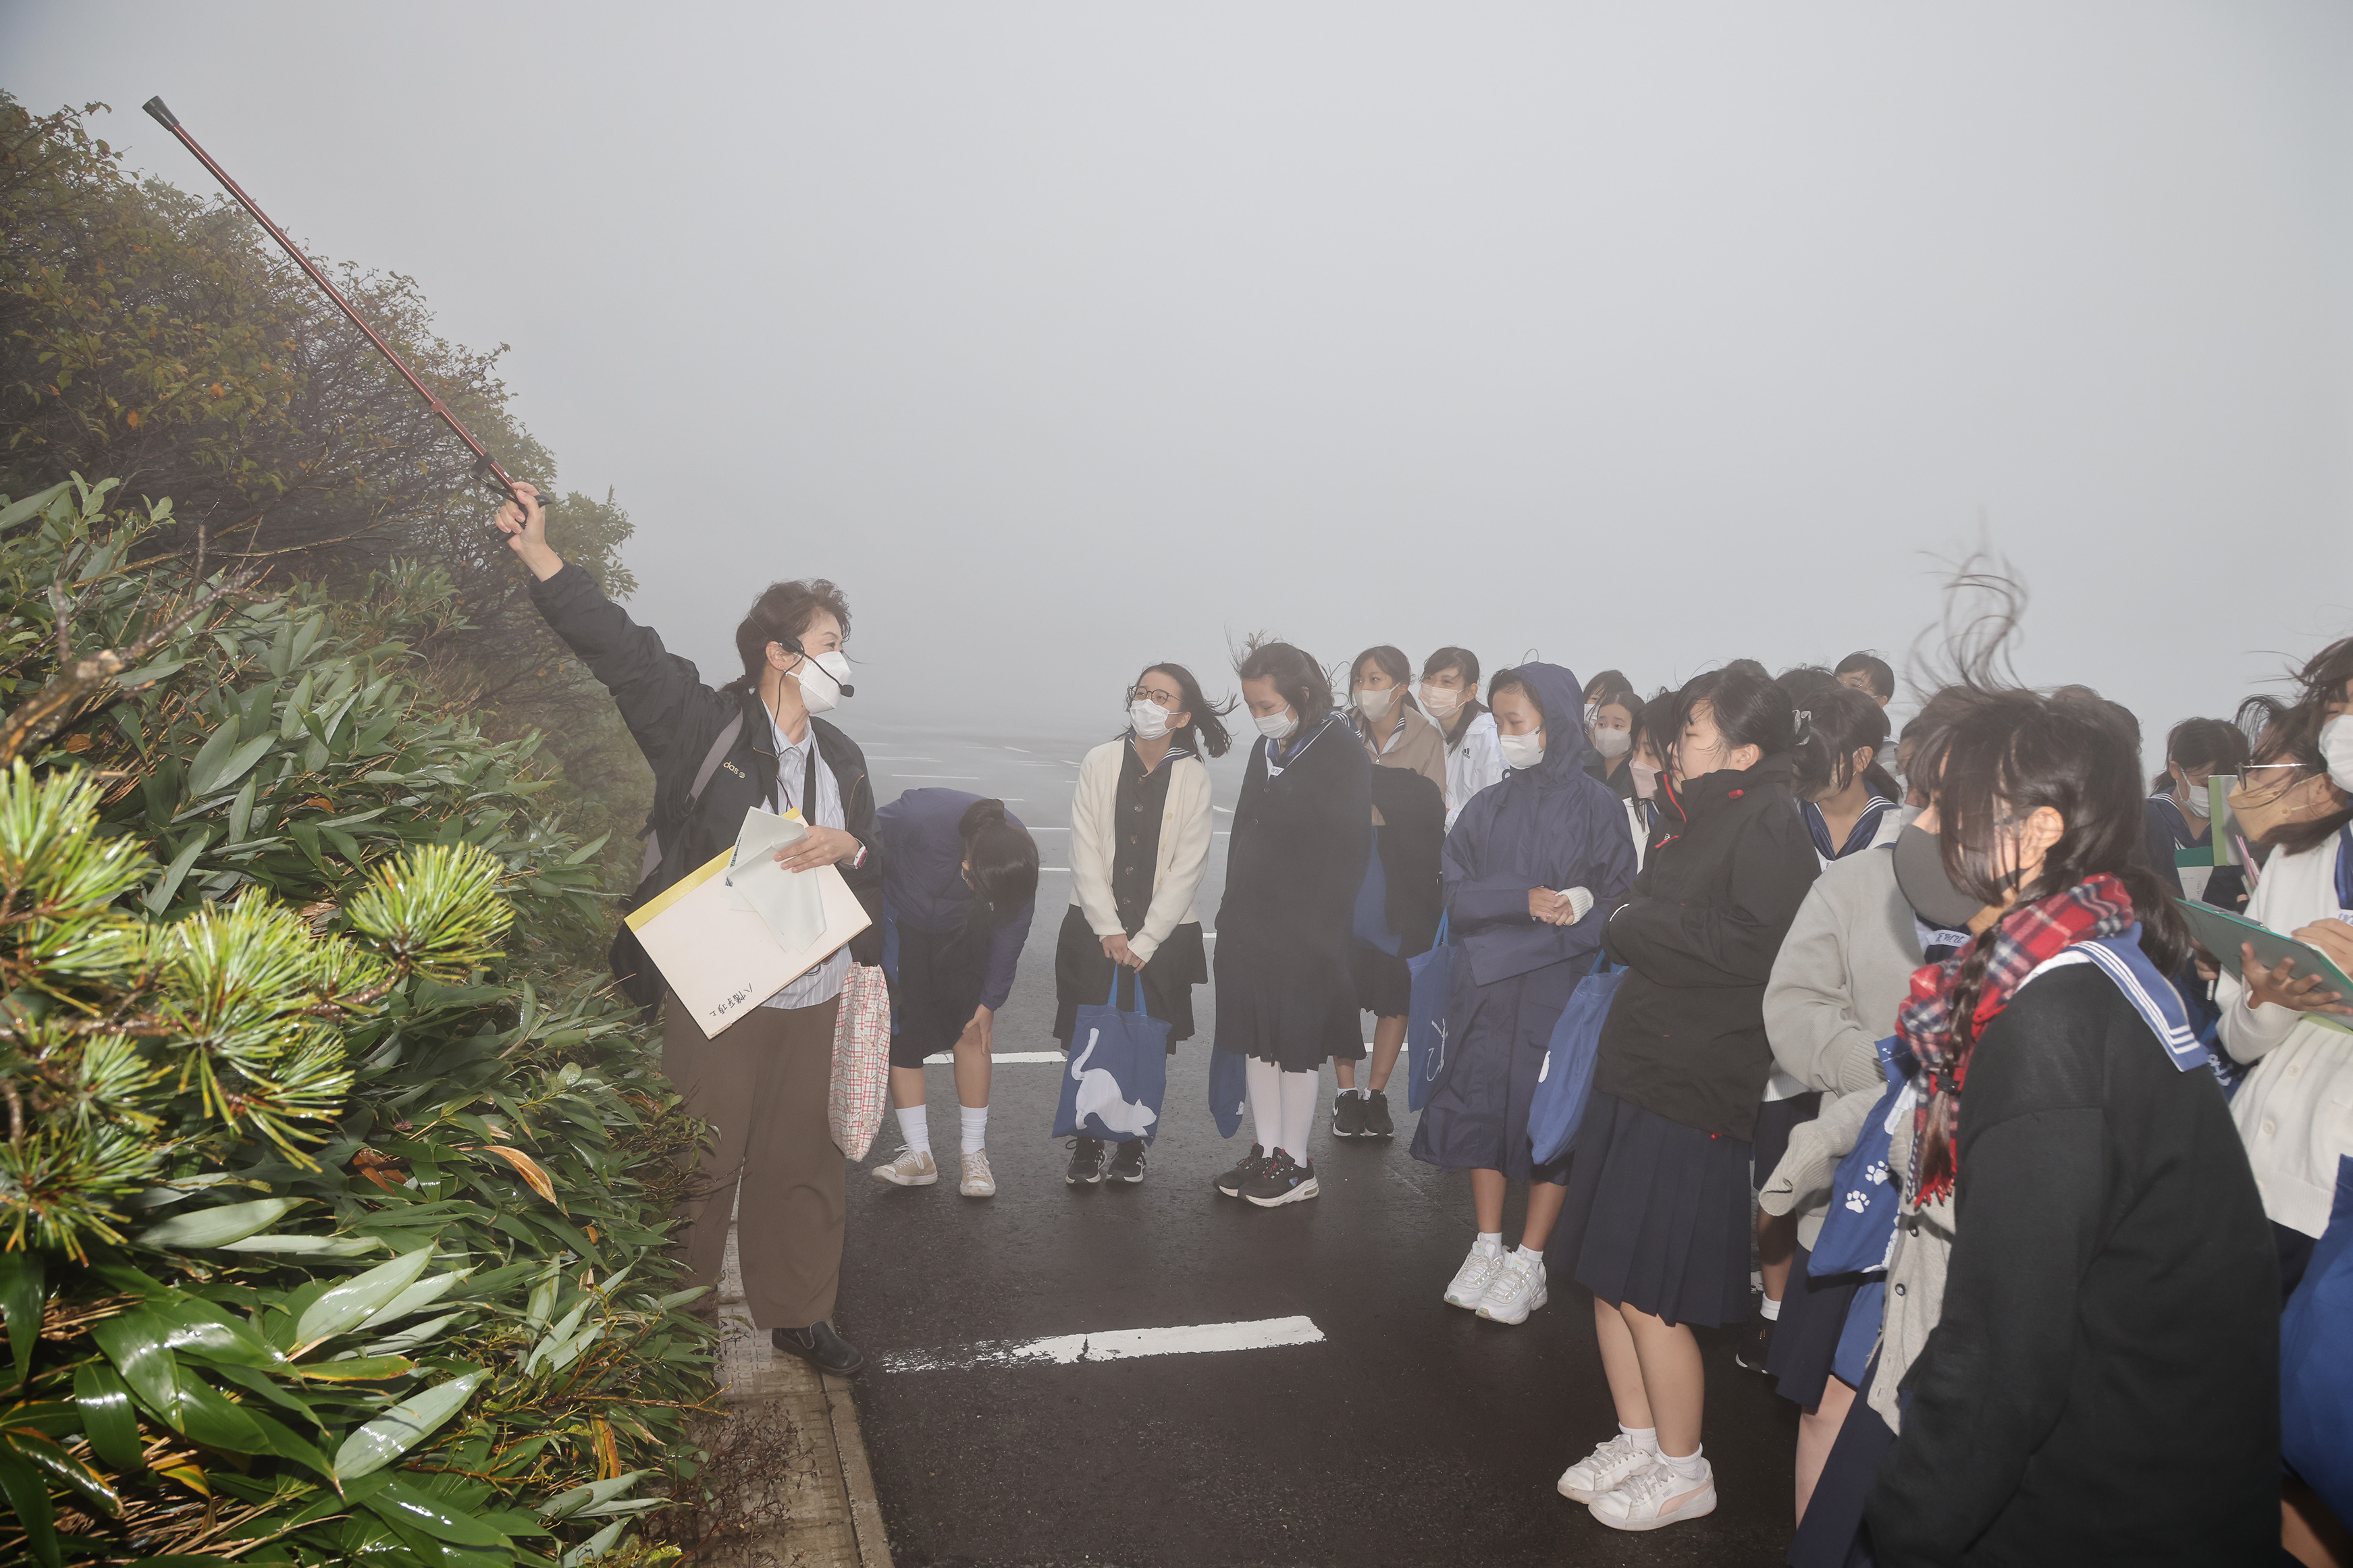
x: 762, y: 1085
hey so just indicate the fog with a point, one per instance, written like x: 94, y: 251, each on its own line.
x: 1067, y: 337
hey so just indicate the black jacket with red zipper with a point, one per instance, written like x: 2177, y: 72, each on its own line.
x: 674, y: 717
x: 1728, y: 865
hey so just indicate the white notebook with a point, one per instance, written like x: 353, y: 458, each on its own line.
x: 719, y: 956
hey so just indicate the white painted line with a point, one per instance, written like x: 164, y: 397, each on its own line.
x: 947, y: 1059
x: 1227, y: 809
x: 1023, y: 750
x: 1065, y: 870
x: 1118, y: 1344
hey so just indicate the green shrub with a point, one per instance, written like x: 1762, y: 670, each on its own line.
x: 325, y: 1234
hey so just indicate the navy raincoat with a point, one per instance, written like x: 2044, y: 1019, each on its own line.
x: 1553, y: 826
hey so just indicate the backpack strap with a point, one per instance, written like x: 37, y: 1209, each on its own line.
x: 720, y: 747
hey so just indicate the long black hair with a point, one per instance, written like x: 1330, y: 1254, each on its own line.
x: 1749, y: 709
x: 2215, y: 743
x: 1836, y: 722
x: 1298, y: 679
x: 1990, y: 751
x: 1000, y: 866
x: 2290, y: 732
x: 1205, y: 732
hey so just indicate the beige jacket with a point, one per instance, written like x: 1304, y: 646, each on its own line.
x: 1418, y: 746
x: 1184, y: 859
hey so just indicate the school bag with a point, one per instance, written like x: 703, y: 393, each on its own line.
x: 1566, y: 1080
x: 1117, y: 1073
x: 1432, y: 975
x: 1228, y: 1088
x: 2315, y: 1375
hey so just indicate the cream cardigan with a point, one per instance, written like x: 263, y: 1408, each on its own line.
x: 1184, y: 858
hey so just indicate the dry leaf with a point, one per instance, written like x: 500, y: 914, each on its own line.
x: 524, y: 1165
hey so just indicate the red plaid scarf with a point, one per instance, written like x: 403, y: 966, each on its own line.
x: 2024, y: 939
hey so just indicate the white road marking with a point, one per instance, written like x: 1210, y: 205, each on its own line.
x: 1064, y: 869
x: 1117, y: 1344
x: 947, y: 1059
x: 1227, y: 809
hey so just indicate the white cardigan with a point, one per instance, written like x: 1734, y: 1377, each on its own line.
x: 1184, y: 859
x: 2295, y: 1109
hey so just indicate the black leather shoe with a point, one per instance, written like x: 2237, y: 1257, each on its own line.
x: 820, y: 1347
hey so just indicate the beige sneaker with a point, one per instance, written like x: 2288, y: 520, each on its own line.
x: 980, y: 1182
x: 909, y: 1170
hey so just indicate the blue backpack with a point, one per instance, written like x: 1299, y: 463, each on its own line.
x: 1566, y: 1081
x: 1425, y: 1028
x: 1117, y: 1073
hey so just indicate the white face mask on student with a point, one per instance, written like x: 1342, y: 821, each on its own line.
x: 1375, y: 705
x: 1277, y: 726
x: 2336, y: 750
x: 1521, y: 751
x: 2195, y: 796
x: 1613, y: 742
x: 1147, y: 718
x: 1441, y: 701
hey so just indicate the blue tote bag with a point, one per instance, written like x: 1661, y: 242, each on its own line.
x: 1566, y: 1081
x: 1425, y: 1025
x: 1117, y: 1072
x: 1229, y: 1089
x: 1866, y: 1197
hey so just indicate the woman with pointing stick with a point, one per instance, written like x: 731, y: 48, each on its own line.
x: 715, y: 753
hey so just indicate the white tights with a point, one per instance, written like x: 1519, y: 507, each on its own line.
x: 1282, y: 1107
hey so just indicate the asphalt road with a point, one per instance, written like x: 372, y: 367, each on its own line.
x: 1410, y: 1433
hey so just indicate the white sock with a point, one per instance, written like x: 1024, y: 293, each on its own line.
x: 1491, y: 1244
x: 1532, y: 1254
x: 1643, y: 1437
x: 1265, y: 1081
x: 1691, y: 1466
x: 1770, y: 1310
x: 1299, y: 1093
x: 915, y: 1130
x: 975, y: 1127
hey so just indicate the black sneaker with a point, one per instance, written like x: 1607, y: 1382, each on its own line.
x: 1347, y: 1114
x: 1753, y: 1344
x: 1281, y: 1180
x: 821, y: 1347
x: 1232, y: 1184
x: 1086, y: 1162
x: 1127, y: 1164
x: 1375, y: 1115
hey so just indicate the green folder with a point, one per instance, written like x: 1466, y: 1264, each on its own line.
x: 2220, y: 932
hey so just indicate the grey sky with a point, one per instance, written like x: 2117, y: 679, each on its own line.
x: 1070, y: 336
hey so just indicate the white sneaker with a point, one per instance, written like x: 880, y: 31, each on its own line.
x: 978, y: 1183
x: 909, y: 1170
x: 1471, y: 1281
x: 1602, y: 1469
x: 1517, y: 1289
x: 1654, y: 1495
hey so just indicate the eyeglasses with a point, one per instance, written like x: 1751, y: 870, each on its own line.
x: 1168, y: 700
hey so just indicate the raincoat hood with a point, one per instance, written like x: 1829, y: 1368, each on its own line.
x: 1568, y: 748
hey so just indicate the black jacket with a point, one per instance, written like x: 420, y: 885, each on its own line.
x: 1729, y: 864
x: 2103, y: 1385
x: 1414, y: 814
x: 674, y: 717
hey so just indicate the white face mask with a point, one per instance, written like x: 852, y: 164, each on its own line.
x: 2196, y: 798
x: 1521, y: 751
x: 1441, y: 701
x: 1277, y: 726
x: 1613, y: 742
x: 2336, y: 750
x: 1149, y: 719
x: 821, y: 679
x: 1375, y: 705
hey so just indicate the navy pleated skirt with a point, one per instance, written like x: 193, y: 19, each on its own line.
x: 1805, y: 1339
x: 1834, y: 1534
x: 1656, y: 1217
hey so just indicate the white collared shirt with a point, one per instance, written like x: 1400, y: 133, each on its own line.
x: 824, y: 982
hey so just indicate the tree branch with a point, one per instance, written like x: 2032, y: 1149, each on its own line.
x: 39, y: 716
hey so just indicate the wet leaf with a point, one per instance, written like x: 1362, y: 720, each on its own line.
x: 22, y: 1289
x: 348, y: 1304
x: 107, y: 1417
x: 399, y: 1429
x: 397, y: 1500
x: 217, y: 1226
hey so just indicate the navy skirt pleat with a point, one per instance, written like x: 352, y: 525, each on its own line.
x: 1805, y: 1339
x: 1656, y: 1215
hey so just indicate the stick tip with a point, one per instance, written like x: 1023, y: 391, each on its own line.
x: 164, y: 116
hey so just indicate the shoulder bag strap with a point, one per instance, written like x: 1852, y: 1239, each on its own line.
x: 720, y: 747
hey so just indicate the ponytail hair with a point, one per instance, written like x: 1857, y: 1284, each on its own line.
x: 1391, y: 662
x: 1001, y: 864
x: 1833, y: 723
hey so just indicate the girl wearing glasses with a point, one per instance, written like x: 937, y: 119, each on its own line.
x: 1140, y: 836
x: 1397, y: 902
